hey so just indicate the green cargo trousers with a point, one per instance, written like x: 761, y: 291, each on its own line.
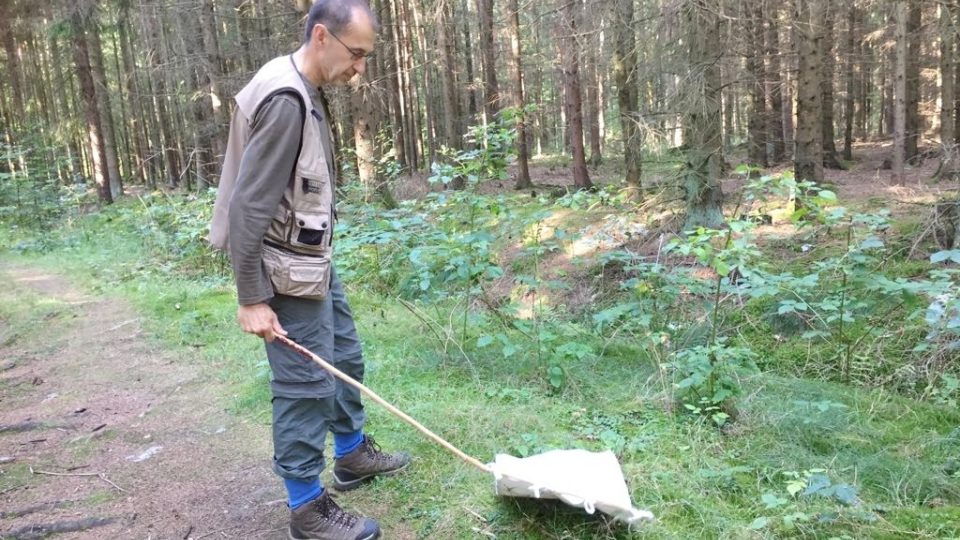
x: 307, y: 400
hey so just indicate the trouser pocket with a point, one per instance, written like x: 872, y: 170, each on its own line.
x: 295, y: 274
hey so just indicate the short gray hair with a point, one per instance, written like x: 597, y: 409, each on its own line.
x: 336, y: 15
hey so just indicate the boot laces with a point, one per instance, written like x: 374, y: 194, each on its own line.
x: 372, y: 449
x: 331, y: 512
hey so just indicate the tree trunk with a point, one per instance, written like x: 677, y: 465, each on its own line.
x: 948, y: 62
x: 164, y: 120
x: 757, y: 122
x: 593, y: 108
x: 63, y: 106
x: 134, y: 89
x: 213, y: 66
x: 774, y: 82
x: 625, y: 75
x: 12, y: 71
x: 900, y: 134
x: 956, y: 81
x: 827, y: 64
x: 81, y: 58
x: 468, y: 83
x: 451, y: 102
x: 204, y: 131
x: 397, y: 92
x: 366, y: 113
x: 853, y: 54
x: 950, y: 150
x: 106, y: 110
x: 573, y: 101
x: 913, y: 119
x: 491, y: 91
x: 889, y: 99
x: 864, y: 90
x: 411, y: 107
x: 516, y: 56
x: 702, y: 128
x: 808, y: 160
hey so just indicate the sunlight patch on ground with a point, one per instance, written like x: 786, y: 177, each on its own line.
x: 610, y: 233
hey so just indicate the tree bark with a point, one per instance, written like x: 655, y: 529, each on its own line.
x: 106, y: 109
x: 593, y: 108
x: 625, y: 76
x: 366, y: 112
x: 828, y: 64
x: 469, y: 89
x: 900, y: 136
x: 948, y: 63
x: 573, y: 101
x: 774, y: 82
x: 702, y: 128
x: 12, y: 72
x: 516, y: 57
x: 81, y: 58
x: 808, y: 160
x: 164, y: 119
x: 950, y: 150
x: 853, y: 55
x: 491, y: 90
x: 213, y: 66
x: 757, y: 121
x: 913, y: 80
x: 394, y: 83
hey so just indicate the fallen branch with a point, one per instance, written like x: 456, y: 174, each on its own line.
x: 45, y: 529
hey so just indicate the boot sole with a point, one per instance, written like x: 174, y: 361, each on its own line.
x: 373, y: 536
x: 341, y: 485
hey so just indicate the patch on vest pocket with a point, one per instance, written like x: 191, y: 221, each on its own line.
x: 312, y: 185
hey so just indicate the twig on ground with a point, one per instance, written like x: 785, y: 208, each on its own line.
x: 209, y: 534
x: 101, y: 476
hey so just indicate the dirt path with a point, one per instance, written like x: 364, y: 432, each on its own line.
x: 138, y: 439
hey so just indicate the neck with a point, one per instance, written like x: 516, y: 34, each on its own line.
x: 309, y: 72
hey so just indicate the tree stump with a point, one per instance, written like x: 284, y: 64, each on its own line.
x: 949, y: 168
x: 946, y: 226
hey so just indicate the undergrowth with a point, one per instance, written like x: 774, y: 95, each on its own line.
x: 751, y: 386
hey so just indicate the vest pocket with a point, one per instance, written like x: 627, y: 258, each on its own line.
x: 293, y: 274
x: 280, y: 225
x: 310, y: 230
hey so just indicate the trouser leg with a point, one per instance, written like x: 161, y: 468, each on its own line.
x: 348, y: 416
x: 299, y: 431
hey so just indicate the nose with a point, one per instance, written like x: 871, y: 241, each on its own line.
x: 360, y: 65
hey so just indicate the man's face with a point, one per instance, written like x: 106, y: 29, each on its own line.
x: 345, y: 52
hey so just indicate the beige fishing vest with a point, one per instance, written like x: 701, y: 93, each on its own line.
x: 297, y: 248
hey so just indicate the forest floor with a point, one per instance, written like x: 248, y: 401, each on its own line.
x: 107, y: 433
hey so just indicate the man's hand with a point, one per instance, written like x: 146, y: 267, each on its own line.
x: 259, y: 319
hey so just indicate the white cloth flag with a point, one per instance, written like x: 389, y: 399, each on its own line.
x: 589, y: 480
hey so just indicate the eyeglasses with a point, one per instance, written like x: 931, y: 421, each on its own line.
x: 355, y: 53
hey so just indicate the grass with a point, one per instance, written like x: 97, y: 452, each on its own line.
x: 897, y: 455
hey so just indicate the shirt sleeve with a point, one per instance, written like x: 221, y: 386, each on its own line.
x: 265, y: 171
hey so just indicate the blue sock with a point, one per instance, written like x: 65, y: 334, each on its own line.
x: 300, y: 492
x: 344, y: 443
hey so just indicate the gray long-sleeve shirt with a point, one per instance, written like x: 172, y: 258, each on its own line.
x: 266, y: 168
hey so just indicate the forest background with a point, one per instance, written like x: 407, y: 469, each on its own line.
x: 718, y: 237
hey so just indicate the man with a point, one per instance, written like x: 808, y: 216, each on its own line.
x: 276, y: 200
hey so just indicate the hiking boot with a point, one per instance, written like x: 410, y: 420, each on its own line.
x: 366, y: 462
x: 323, y: 519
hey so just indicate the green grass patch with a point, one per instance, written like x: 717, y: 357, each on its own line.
x: 805, y: 458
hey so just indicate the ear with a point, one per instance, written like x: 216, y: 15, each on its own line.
x: 319, y: 33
